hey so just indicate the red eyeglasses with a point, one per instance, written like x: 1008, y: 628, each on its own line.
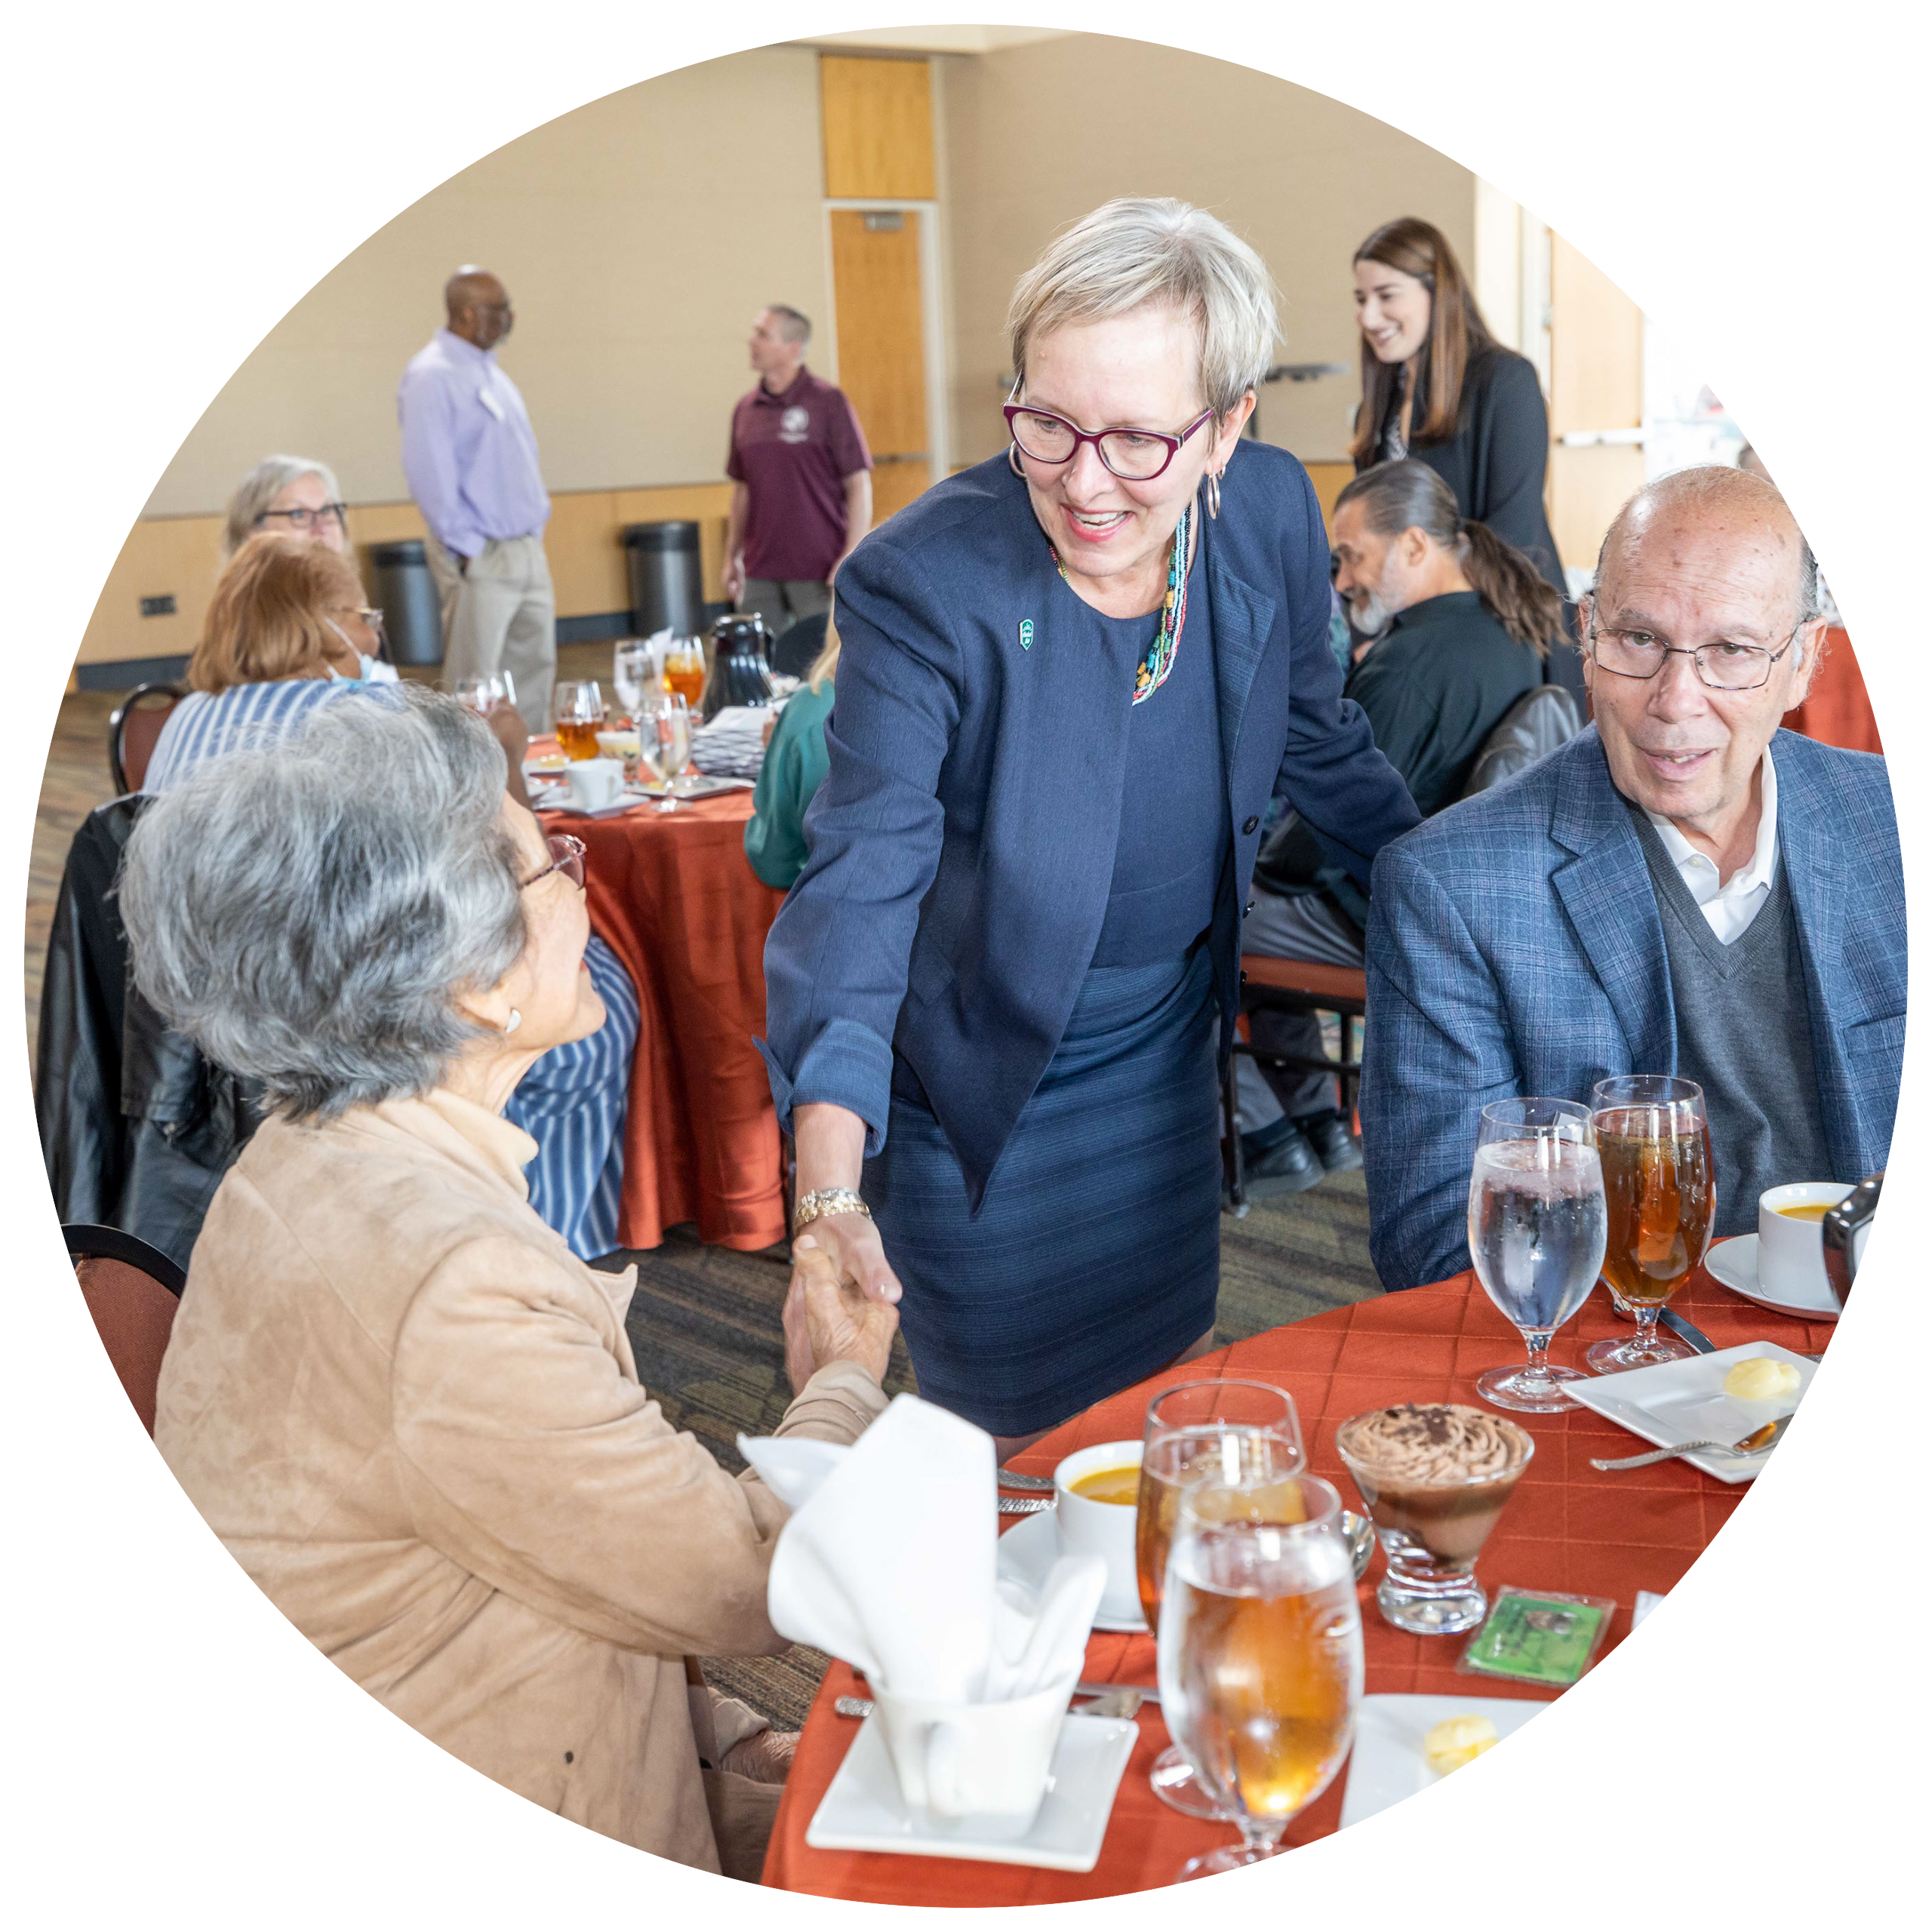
x: 566, y: 856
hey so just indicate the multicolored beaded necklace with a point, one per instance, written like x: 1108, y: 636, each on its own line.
x: 1152, y: 672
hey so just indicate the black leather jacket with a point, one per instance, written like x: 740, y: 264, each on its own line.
x: 136, y: 1128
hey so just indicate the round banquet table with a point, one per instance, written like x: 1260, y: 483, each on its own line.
x: 672, y: 894
x: 1568, y: 1527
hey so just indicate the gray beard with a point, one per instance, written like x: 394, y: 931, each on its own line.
x: 1368, y: 616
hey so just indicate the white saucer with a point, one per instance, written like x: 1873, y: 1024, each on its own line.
x: 862, y: 1810
x: 1734, y: 1264
x: 1386, y: 1764
x: 1031, y: 1547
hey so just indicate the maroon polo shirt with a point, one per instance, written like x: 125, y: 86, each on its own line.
x: 794, y: 452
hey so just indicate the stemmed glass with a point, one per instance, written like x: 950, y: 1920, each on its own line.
x: 1536, y: 1236
x: 664, y: 740
x: 577, y: 709
x: 1231, y: 1428
x: 482, y: 695
x: 1661, y: 1193
x: 632, y: 673
x: 1261, y: 1652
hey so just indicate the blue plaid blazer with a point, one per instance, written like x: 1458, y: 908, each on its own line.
x: 1514, y: 946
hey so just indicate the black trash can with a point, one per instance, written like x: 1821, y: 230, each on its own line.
x: 667, y: 579
x: 406, y: 595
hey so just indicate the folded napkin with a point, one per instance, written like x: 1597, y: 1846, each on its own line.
x: 888, y: 1562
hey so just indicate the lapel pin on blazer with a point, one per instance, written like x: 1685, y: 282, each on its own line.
x: 1026, y: 633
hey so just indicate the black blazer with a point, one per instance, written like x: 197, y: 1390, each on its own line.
x: 1496, y: 463
x: 962, y: 845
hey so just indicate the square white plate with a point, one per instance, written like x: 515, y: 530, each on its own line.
x: 1684, y: 1401
x: 862, y: 1810
x: 1027, y: 1554
x: 1386, y: 1764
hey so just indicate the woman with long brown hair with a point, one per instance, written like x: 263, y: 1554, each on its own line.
x: 1438, y: 386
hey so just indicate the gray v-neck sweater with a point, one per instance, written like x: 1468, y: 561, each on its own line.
x: 1744, y: 1034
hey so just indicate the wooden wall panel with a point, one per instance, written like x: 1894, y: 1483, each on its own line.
x: 180, y: 556
x: 1587, y: 488
x: 881, y: 340
x: 895, y: 484
x: 1596, y: 347
x: 878, y: 120
x: 1329, y: 479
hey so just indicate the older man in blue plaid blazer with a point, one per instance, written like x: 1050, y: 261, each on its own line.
x: 1684, y: 888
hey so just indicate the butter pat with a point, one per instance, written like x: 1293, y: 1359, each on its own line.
x: 1761, y: 1379
x: 1453, y: 1742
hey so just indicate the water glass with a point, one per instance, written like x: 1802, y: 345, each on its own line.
x: 1261, y: 1652
x: 1536, y: 1236
x: 1232, y: 1428
x: 482, y: 695
x: 1660, y: 1190
x: 632, y: 673
x: 664, y: 740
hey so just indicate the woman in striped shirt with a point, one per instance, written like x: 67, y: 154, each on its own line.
x: 289, y: 631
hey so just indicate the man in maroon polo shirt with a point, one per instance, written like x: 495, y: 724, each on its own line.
x: 801, y: 493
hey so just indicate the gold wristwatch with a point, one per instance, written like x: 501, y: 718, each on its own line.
x: 823, y: 1200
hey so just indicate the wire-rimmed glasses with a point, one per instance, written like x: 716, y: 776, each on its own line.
x: 1135, y: 456
x: 566, y: 856
x: 1723, y: 666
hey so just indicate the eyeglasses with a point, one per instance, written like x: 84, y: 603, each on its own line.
x: 1136, y: 455
x: 566, y: 856
x: 1723, y: 667
x: 302, y: 518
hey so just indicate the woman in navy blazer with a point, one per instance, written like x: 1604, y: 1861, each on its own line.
x: 1072, y: 678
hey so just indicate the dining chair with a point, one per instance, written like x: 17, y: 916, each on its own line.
x: 132, y: 1291
x: 133, y: 730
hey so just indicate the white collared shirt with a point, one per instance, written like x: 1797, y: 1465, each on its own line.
x: 1731, y: 907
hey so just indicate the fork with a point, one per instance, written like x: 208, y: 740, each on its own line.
x: 1755, y: 1444
x: 1111, y: 1701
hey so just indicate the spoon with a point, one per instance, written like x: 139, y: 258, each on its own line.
x: 1755, y: 1444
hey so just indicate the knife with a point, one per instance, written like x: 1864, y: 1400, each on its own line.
x: 1687, y: 1331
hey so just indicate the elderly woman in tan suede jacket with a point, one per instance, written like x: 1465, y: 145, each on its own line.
x: 410, y: 1412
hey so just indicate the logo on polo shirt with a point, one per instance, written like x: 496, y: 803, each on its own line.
x: 794, y: 425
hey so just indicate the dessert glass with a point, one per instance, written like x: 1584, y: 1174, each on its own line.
x: 1434, y: 1477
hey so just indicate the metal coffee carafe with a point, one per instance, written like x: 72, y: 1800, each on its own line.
x: 740, y: 657
x: 1842, y: 1228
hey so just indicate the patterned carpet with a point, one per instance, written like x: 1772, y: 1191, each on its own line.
x: 705, y: 1323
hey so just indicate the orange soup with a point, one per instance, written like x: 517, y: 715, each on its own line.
x: 1120, y: 1485
x: 1808, y: 1210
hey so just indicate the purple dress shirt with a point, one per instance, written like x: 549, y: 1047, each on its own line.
x: 467, y: 450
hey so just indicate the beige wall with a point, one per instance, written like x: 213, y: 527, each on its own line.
x: 639, y: 235
x: 1032, y: 142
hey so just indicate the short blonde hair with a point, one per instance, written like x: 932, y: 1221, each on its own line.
x: 825, y: 666
x: 1136, y: 251
x: 259, y: 488
x: 265, y: 621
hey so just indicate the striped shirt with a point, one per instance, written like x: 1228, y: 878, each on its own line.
x: 208, y: 725
x: 572, y: 1102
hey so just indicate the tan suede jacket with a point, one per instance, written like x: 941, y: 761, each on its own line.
x: 414, y: 1418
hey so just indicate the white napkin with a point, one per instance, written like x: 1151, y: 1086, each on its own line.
x: 888, y: 1562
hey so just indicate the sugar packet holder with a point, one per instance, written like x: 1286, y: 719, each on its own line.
x: 1543, y: 1637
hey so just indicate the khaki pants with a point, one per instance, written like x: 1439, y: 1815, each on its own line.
x: 501, y: 614
x: 781, y: 605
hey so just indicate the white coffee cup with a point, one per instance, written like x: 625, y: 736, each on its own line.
x: 594, y: 783
x: 1791, y: 1252
x: 1105, y: 1530
x: 973, y: 1769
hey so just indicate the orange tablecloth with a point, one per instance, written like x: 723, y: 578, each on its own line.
x: 1837, y: 710
x: 673, y: 896
x: 1568, y: 1527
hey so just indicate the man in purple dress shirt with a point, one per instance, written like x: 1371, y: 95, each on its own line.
x: 470, y: 457
x: 801, y: 478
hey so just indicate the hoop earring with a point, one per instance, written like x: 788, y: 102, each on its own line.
x: 1214, y: 483
x: 515, y: 1021
x: 1013, y: 461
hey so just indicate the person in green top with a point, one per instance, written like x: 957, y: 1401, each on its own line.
x: 794, y: 768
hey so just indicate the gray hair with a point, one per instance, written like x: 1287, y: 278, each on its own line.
x: 1136, y: 251
x: 307, y: 915
x: 260, y: 488
x: 1718, y: 487
x: 793, y: 324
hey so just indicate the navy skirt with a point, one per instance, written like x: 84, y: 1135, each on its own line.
x: 1095, y: 1257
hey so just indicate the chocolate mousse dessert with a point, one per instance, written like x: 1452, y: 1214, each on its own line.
x: 1436, y: 1474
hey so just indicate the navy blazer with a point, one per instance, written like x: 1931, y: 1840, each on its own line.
x: 1515, y: 947
x: 962, y: 845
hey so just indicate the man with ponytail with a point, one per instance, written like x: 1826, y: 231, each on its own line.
x: 1468, y: 621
